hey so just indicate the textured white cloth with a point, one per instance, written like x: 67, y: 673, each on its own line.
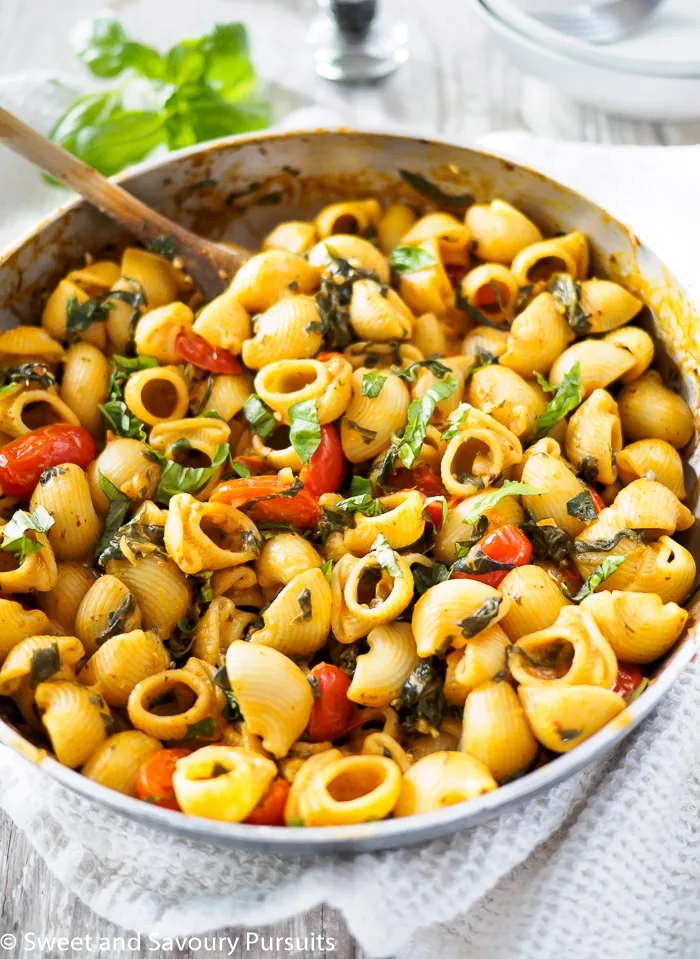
x: 604, y: 864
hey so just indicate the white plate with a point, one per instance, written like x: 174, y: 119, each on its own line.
x: 667, y: 45
x: 636, y: 95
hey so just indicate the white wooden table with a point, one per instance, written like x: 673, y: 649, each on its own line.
x: 455, y: 85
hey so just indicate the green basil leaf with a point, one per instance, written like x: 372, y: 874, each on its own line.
x: 422, y: 701
x: 385, y: 556
x: 432, y: 364
x: 196, y: 112
x: 45, y: 663
x: 327, y: 569
x: 107, y: 52
x: 472, y: 625
x: 568, y: 396
x: 443, y: 505
x: 187, y: 479
x: 205, y: 728
x: 544, y: 383
x: 229, y: 67
x: 550, y: 542
x: 486, y: 500
x: 81, y: 316
x: 19, y: 534
x: 116, y: 514
x: 476, y: 563
x: 305, y: 607
x: 372, y: 384
x: 367, y: 436
x: 637, y: 692
x: 457, y: 419
x: 582, y: 546
x: 411, y: 259
x: 118, y: 418
x: 431, y: 191
x: 567, y: 295
x: 240, y: 469
x: 120, y: 140
x: 426, y: 576
x: 420, y: 412
x: 83, y: 112
x: 474, y: 313
x: 206, y: 593
x: 27, y: 373
x: 165, y: 245
x: 606, y: 569
x: 304, y: 430
x: 582, y: 507
x: 258, y: 416
x: 361, y: 499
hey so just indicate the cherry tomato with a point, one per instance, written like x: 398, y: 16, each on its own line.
x: 420, y: 477
x: 598, y: 500
x: 251, y: 493
x: 507, y: 544
x: 193, y: 348
x: 332, y: 711
x: 154, y: 782
x: 629, y: 676
x: 326, y: 469
x: 270, y: 809
x: 23, y: 460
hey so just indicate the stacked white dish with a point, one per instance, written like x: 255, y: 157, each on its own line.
x: 653, y: 74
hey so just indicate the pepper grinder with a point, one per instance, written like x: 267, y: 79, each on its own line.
x: 357, y: 40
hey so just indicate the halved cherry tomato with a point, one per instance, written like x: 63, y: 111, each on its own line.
x: 507, y: 544
x: 598, y: 500
x: 23, y: 460
x: 629, y: 676
x: 154, y: 782
x: 193, y: 348
x: 259, y: 497
x: 420, y: 477
x: 270, y: 809
x: 326, y: 469
x: 332, y: 711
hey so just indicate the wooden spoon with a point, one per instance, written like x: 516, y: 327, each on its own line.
x: 210, y: 265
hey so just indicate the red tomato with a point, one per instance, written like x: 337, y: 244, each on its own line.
x: 629, y: 676
x: 193, y: 348
x: 251, y: 493
x: 154, y: 782
x: 507, y: 544
x: 420, y: 477
x: 598, y: 500
x: 23, y: 460
x: 326, y: 469
x: 270, y: 809
x: 332, y: 710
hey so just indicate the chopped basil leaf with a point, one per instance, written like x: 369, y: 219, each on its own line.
x: 116, y: 514
x: 372, y: 384
x: 385, y: 557
x: 411, y: 259
x: 117, y: 619
x: 567, y: 295
x: 240, y: 469
x: 361, y: 499
x: 212, y: 415
x: 204, y: 728
x: 443, y: 506
x: 206, y: 593
x: 605, y: 545
x: 474, y: 313
x: 422, y: 701
x: 456, y: 419
x: 26, y: 373
x: 472, y: 625
x: 305, y: 430
x: 259, y: 416
x: 432, y: 364
x: 187, y: 479
x: 419, y: 415
x: 478, y: 530
x: 568, y: 396
x: 46, y: 662
x: 582, y: 507
x: 327, y: 569
x: 431, y: 191
x: 477, y: 563
x: 332, y: 521
x: 367, y: 436
x: 81, y: 316
x: 304, y: 601
x: 544, y: 383
x: 232, y: 710
x: 426, y: 576
x: 115, y: 413
x: 333, y: 299
x: 637, y: 692
x: 165, y: 245
x: 486, y: 500
x: 606, y: 569
x: 19, y: 534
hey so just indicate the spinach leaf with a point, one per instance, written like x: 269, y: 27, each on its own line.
x: 422, y: 702
x: 411, y: 259
x: 568, y: 396
x: 372, y: 384
x: 472, y: 625
x: 477, y: 563
x: 567, y: 295
x: 550, y: 542
x: 487, y: 500
x: 305, y: 430
x: 259, y: 416
x: 19, y: 534
x: 45, y: 663
x: 431, y: 191
x: 582, y: 546
x: 582, y: 507
x: 334, y: 296
x: 205, y: 728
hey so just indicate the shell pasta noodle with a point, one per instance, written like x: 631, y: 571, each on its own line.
x: 390, y: 522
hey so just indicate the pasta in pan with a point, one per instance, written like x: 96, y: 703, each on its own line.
x: 391, y: 521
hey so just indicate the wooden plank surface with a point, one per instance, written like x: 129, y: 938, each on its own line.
x: 455, y: 85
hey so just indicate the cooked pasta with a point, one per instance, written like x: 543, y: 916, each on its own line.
x: 378, y: 529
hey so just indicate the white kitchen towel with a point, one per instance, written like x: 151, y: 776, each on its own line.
x: 605, y: 863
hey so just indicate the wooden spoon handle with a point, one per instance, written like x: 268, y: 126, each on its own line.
x: 210, y: 263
